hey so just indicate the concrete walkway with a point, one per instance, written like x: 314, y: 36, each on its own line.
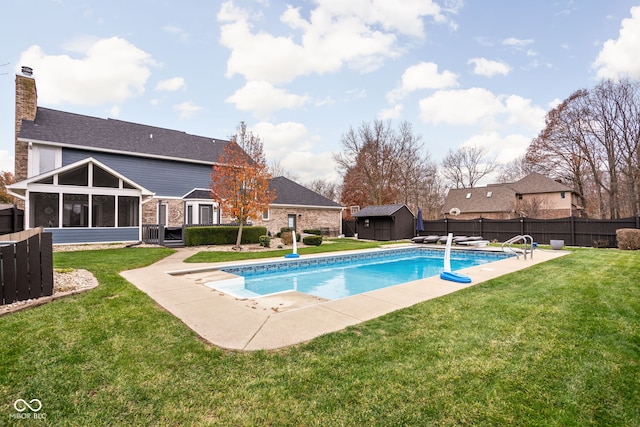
x: 291, y: 318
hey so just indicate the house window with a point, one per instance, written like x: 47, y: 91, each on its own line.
x: 519, y: 196
x: 265, y: 215
x: 189, y: 214
x: 366, y: 223
x: 102, y: 178
x: 354, y: 209
x: 206, y: 214
x: 489, y: 194
x: 47, y: 159
x: 562, y: 195
x: 78, y: 176
x: 75, y: 210
x: 43, y: 209
x: 468, y: 195
x: 128, y: 211
x: 103, y: 211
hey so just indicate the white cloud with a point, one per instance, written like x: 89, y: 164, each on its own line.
x: 291, y: 145
x: 478, y: 106
x: 358, y: 34
x: 512, y: 41
x: 394, y: 112
x: 488, y: 68
x: 187, y: 109
x: 262, y: 98
x: 182, y: 35
x: 6, y: 161
x: 504, y: 148
x: 172, y: 84
x: 110, y: 71
x: 423, y: 75
x: 619, y: 58
x: 460, y: 107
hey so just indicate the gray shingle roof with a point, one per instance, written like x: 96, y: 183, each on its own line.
x: 502, y: 199
x: 291, y: 193
x: 537, y: 183
x: 378, y: 210
x: 119, y: 136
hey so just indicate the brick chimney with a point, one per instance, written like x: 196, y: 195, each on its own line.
x: 26, y: 106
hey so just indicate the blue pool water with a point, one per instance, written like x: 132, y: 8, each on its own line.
x: 340, y: 276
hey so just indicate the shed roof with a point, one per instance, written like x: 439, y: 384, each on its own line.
x: 79, y: 131
x: 379, y: 210
x: 292, y: 193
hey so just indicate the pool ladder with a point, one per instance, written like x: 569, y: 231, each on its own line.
x: 525, y: 239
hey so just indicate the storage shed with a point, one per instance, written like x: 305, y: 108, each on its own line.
x: 385, y: 222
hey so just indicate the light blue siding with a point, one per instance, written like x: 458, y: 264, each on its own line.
x: 95, y: 235
x: 164, y: 177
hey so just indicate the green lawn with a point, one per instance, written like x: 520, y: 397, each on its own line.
x: 555, y: 344
x: 334, y: 245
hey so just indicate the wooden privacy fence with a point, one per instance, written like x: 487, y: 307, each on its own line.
x: 574, y: 231
x: 26, y: 266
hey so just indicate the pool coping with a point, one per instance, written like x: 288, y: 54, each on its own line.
x: 244, y: 324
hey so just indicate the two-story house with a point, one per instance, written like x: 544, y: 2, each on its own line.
x: 88, y: 179
x: 534, y: 196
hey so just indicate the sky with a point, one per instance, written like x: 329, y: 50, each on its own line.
x: 300, y: 74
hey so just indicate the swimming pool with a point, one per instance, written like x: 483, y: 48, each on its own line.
x: 339, y: 276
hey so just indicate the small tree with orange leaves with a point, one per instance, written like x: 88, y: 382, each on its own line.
x: 240, y: 179
x: 6, y: 178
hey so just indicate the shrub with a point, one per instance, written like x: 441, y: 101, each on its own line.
x: 628, y: 239
x: 221, y: 235
x: 312, y: 240
x: 265, y: 241
x: 286, y: 237
x: 313, y: 231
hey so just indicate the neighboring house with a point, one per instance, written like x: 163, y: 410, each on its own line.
x: 385, y: 222
x: 299, y: 208
x: 534, y: 196
x: 87, y: 179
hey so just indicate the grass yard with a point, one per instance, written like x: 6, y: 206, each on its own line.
x: 555, y: 344
x: 333, y: 245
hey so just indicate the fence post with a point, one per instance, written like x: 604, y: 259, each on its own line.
x: 521, y: 225
x: 446, y: 226
x: 572, y: 228
x: 481, y: 228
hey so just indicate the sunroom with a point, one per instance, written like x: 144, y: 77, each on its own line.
x: 84, y: 202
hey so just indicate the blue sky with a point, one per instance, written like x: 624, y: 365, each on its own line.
x: 462, y: 72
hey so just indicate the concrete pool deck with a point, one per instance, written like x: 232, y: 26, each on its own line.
x: 288, y: 318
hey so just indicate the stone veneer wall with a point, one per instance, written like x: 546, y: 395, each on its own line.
x: 309, y: 218
x: 175, y: 212
x: 26, y: 107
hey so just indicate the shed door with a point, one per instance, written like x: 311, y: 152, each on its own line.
x: 381, y: 229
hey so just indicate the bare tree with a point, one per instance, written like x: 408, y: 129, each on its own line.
x: 382, y: 165
x: 326, y: 188
x: 276, y: 169
x: 515, y: 170
x: 466, y: 166
x: 593, y: 138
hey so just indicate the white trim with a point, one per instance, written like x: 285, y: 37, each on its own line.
x: 22, y: 185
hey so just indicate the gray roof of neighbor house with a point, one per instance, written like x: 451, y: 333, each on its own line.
x: 500, y: 197
x: 378, y: 210
x: 535, y: 183
x: 480, y: 199
x: 110, y: 135
x: 291, y: 193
